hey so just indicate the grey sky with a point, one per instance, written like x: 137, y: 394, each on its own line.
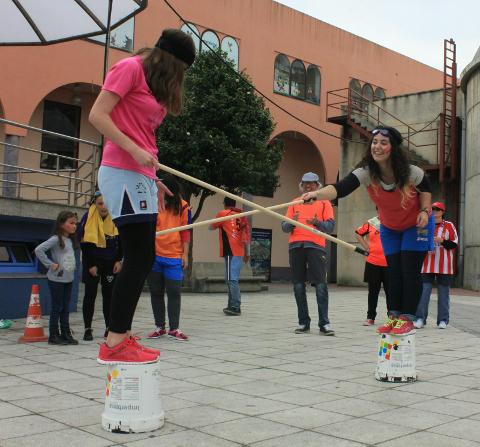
x: 415, y: 28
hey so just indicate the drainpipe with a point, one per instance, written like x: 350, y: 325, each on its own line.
x: 461, y: 217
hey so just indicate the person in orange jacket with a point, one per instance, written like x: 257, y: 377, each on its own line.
x: 234, y: 238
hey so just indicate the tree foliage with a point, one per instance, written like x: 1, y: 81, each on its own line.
x: 223, y: 134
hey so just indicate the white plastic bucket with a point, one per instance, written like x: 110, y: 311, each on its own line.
x: 396, y: 358
x: 132, y: 399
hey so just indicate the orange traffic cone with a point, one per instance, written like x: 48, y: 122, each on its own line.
x: 33, y: 326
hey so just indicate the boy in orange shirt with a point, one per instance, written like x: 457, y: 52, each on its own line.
x: 234, y: 237
x: 171, y: 258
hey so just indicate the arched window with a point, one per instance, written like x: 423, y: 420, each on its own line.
x: 230, y: 46
x: 313, y: 84
x: 281, y: 77
x: 192, y: 31
x: 211, y: 39
x: 298, y: 80
x: 355, y: 92
x: 367, y: 93
x: 379, y: 93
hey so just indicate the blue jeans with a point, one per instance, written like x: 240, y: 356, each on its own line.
x: 60, y: 293
x: 321, y: 291
x: 233, y: 265
x: 443, y: 284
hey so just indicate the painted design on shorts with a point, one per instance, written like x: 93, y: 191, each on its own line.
x: 141, y: 188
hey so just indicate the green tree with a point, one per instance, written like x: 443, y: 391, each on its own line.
x: 223, y: 135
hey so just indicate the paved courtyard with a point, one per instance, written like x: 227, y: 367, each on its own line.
x: 250, y: 381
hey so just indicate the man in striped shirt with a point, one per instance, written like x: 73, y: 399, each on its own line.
x: 438, y: 264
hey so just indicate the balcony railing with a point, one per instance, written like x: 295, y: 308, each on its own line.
x: 22, y: 178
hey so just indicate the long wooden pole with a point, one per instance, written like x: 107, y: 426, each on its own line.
x: 221, y: 219
x: 262, y: 209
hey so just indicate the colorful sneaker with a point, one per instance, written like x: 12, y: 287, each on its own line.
x: 387, y: 327
x: 177, y: 334
x: 125, y: 352
x: 157, y: 333
x: 442, y: 325
x: 135, y: 339
x: 5, y: 324
x: 369, y: 322
x: 403, y: 327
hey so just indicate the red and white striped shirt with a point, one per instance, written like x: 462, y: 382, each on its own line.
x: 440, y: 260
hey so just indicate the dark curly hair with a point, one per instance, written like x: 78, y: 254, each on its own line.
x: 399, y: 161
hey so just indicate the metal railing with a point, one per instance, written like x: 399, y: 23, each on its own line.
x: 358, y: 110
x: 24, y: 178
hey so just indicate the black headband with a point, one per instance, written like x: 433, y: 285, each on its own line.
x: 176, y: 49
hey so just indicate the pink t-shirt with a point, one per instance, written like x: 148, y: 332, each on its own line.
x: 137, y: 114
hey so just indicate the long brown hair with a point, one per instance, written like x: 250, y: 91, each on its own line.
x: 165, y: 73
x: 62, y: 217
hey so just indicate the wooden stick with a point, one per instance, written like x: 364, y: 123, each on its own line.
x: 221, y: 219
x: 262, y: 209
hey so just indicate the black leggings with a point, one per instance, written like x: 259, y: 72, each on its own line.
x: 138, y: 244
x: 405, y: 281
x: 158, y: 284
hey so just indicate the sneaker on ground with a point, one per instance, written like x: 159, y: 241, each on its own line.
x: 419, y: 323
x: 442, y: 325
x: 327, y: 330
x: 232, y: 312
x: 57, y: 339
x: 157, y: 333
x: 135, y: 339
x: 5, y: 324
x: 88, y: 335
x: 177, y: 334
x: 403, y: 326
x: 387, y: 327
x: 125, y: 352
x: 302, y: 329
x: 369, y: 322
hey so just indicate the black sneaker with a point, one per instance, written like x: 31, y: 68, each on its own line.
x: 232, y: 312
x: 56, y: 339
x: 327, y: 330
x: 67, y: 336
x: 302, y: 329
x: 88, y: 336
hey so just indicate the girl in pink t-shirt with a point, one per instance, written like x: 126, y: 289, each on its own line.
x: 137, y: 94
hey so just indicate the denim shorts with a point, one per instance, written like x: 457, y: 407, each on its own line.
x: 170, y: 267
x: 129, y: 196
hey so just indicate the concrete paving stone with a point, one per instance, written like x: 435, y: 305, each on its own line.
x: 8, y: 381
x: 187, y: 438
x: 414, y: 418
x: 304, y: 397
x: 263, y: 362
x: 77, y: 363
x: 347, y: 389
x: 78, y: 417
x: 30, y: 368
x: 248, y: 430
x: 396, y: 396
x: 18, y: 392
x: 9, y: 411
x: 253, y: 406
x: 425, y: 439
x: 305, y: 417
x: 364, y: 430
x: 209, y: 396
x: 342, y: 373
x: 70, y: 437
x: 356, y: 406
x: 93, y: 371
x: 51, y: 403
x: 172, y: 403
x: 218, y: 380
x: 299, y: 368
x: 459, y: 380
x: 371, y: 381
x: 467, y: 396
x: 262, y: 373
x: 124, y: 438
x: 475, y: 416
x: 184, y: 372
x: 82, y: 384
x: 10, y: 360
x: 463, y: 429
x: 259, y: 388
x: 200, y: 416
x: 432, y: 389
x: 303, y: 381
x: 190, y: 361
x: 173, y: 386
x: 226, y: 367
x: 26, y: 426
x: 53, y: 376
x: 306, y: 439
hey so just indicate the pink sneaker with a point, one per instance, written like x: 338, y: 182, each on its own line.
x: 369, y: 322
x: 387, y: 327
x: 403, y: 327
x: 125, y: 352
x: 177, y: 334
x: 157, y: 333
x: 135, y: 339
